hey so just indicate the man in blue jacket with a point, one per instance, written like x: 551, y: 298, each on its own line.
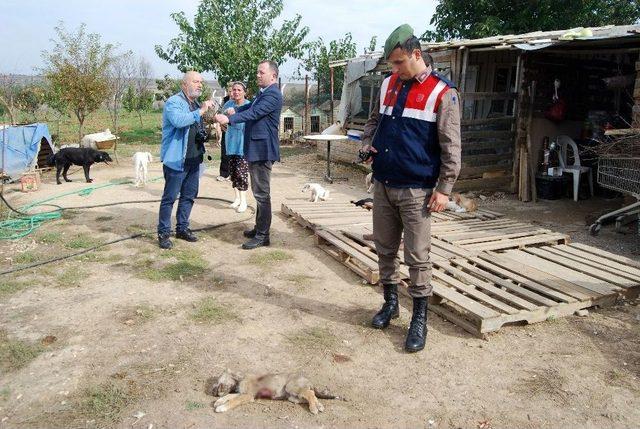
x: 181, y: 154
x: 261, y: 146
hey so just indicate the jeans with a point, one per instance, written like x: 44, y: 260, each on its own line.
x: 185, y: 183
x: 260, y: 173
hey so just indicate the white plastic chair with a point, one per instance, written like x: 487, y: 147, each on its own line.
x: 564, y: 143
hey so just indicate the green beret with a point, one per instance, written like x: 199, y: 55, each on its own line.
x: 398, y: 36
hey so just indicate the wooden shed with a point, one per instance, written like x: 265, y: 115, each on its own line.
x: 506, y: 85
x: 292, y: 119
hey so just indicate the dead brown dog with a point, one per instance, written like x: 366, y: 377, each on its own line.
x: 235, y: 390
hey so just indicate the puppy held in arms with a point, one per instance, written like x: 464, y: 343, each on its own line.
x: 235, y: 390
x: 140, y: 161
x: 317, y: 192
x: 460, y: 204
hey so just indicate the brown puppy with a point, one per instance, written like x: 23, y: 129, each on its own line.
x: 468, y: 204
x: 235, y: 390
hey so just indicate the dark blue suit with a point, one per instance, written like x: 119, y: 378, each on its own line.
x: 262, y: 120
x: 261, y: 150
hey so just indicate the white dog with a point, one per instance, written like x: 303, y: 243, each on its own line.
x: 368, y: 182
x: 317, y: 191
x: 140, y: 161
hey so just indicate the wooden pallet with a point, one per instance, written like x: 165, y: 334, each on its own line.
x: 335, y: 214
x: 478, y: 235
x: 484, y: 292
x: 487, y: 272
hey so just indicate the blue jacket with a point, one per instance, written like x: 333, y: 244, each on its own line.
x: 262, y: 119
x: 234, y: 136
x: 407, y: 139
x: 176, y: 120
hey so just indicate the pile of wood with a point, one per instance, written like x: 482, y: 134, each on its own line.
x: 623, y: 143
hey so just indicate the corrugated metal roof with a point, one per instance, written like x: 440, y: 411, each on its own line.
x: 527, y: 41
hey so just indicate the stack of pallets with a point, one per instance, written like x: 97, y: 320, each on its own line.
x: 488, y: 271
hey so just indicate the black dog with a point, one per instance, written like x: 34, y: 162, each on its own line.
x: 82, y: 156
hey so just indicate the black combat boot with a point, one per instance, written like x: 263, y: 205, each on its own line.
x: 417, y: 334
x: 389, y: 309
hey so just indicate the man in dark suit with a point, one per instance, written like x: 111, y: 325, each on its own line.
x: 261, y: 146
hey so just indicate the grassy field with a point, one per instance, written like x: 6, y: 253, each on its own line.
x: 130, y: 129
x: 134, y: 134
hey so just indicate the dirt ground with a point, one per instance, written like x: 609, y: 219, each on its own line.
x: 127, y: 336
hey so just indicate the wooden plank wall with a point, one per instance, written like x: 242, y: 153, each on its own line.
x: 487, y: 139
x: 487, y: 143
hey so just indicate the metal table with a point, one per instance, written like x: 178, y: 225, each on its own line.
x: 328, y: 138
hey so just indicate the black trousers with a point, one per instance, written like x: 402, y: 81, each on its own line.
x: 260, y: 173
x: 224, y: 159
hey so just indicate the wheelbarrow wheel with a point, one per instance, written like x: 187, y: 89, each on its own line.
x: 594, y: 229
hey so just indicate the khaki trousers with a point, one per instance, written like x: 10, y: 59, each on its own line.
x: 398, y: 210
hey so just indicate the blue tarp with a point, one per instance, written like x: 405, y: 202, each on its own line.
x: 19, y: 146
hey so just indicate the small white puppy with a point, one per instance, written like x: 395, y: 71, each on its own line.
x: 140, y: 161
x: 368, y: 182
x: 317, y: 192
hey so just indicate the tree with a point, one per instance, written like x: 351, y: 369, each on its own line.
x: 30, y: 98
x: 459, y: 19
x: 317, y: 60
x: 121, y: 70
x: 372, y: 44
x: 138, y: 102
x: 230, y: 38
x: 166, y: 87
x: 54, y: 101
x: 8, y: 92
x: 77, y: 68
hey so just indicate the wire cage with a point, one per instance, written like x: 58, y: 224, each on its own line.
x: 620, y: 174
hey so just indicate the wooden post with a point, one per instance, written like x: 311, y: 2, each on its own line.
x: 331, y: 90
x: 463, y: 76
x: 306, y: 104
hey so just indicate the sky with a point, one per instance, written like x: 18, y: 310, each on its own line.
x: 27, y: 26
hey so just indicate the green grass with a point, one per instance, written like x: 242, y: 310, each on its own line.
x: 188, y: 264
x: 9, y: 287
x: 5, y: 393
x: 82, y: 241
x: 71, y: 277
x: 104, y: 218
x: 27, y: 257
x: 270, y: 257
x: 299, y: 279
x: 207, y: 310
x: 16, y: 354
x: 105, y: 402
x: 129, y: 129
x: 137, y: 229
x: 50, y: 237
x: 193, y: 405
x: 178, y: 271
